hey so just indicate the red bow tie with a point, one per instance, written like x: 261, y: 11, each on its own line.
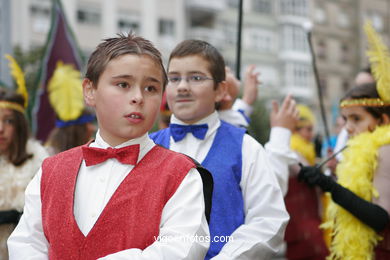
x: 126, y: 155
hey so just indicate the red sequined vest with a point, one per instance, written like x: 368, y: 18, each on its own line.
x: 130, y: 219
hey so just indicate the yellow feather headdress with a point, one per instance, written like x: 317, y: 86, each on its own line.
x: 380, y: 62
x: 379, y: 58
x: 66, y: 93
x: 18, y: 75
x: 306, y: 116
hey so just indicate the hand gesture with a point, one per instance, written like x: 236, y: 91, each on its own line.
x: 287, y: 115
x: 251, y: 82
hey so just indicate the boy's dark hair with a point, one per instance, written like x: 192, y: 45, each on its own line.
x: 367, y: 91
x: 112, y: 48
x: 205, y: 50
x: 17, y: 151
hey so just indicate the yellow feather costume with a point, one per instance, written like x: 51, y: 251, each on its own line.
x: 18, y: 75
x: 351, y: 238
x: 66, y: 92
x: 304, y: 148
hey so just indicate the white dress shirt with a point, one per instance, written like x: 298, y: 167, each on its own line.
x: 182, y: 217
x: 265, y: 215
x: 280, y: 155
x: 278, y: 147
x: 240, y: 104
x: 233, y: 117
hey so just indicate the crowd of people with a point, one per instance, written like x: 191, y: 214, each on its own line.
x: 201, y: 187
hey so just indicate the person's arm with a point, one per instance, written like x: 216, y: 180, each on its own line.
x: 369, y: 213
x: 183, y: 229
x: 251, y: 81
x: 28, y: 241
x: 280, y: 155
x: 265, y: 214
x: 250, y: 92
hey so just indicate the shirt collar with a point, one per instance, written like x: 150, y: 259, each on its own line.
x: 212, y: 121
x: 146, y: 144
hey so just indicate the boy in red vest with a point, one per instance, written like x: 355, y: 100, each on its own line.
x: 119, y: 196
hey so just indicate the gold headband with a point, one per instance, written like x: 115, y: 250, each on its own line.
x: 365, y: 102
x: 12, y: 105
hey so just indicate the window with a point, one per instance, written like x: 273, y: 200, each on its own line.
x: 128, y: 22
x: 262, y: 6
x: 40, y: 16
x: 345, y: 85
x: 294, y: 38
x: 343, y: 20
x: 230, y: 32
x: 344, y: 53
x: 320, y: 15
x: 294, y: 7
x: 166, y: 27
x: 323, y: 85
x: 377, y: 20
x: 261, y: 40
x: 233, y: 3
x: 298, y: 74
x: 321, y: 50
x: 91, y: 17
x: 202, y: 19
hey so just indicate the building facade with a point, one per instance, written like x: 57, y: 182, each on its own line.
x: 274, y: 34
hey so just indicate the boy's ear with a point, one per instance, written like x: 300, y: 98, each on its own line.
x: 227, y: 97
x: 89, y: 92
x: 385, y: 119
x: 221, y: 91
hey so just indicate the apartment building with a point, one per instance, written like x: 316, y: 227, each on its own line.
x: 273, y: 34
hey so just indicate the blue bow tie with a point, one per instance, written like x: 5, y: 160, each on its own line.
x: 178, y: 132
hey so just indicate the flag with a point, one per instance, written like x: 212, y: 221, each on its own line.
x: 60, y: 46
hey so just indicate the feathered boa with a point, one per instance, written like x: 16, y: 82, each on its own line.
x: 304, y: 148
x: 351, y: 238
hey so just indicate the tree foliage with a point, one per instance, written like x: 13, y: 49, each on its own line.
x: 259, y: 126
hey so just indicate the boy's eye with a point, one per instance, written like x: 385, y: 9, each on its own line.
x: 123, y: 85
x: 151, y: 88
x: 196, y: 78
x: 174, y: 79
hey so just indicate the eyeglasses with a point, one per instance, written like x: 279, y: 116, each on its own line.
x: 194, y: 80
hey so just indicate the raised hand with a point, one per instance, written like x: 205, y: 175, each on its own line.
x: 251, y: 82
x: 286, y: 116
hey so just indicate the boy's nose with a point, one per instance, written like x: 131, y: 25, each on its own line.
x: 183, y: 85
x: 136, y: 97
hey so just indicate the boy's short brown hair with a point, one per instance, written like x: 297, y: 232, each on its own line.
x: 112, y: 48
x: 205, y: 50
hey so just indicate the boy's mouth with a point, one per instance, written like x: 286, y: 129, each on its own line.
x: 135, y: 116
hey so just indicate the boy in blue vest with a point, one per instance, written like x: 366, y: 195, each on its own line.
x: 248, y: 216
x: 119, y: 196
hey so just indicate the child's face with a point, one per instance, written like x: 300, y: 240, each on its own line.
x: 192, y: 102
x: 306, y: 132
x: 7, y: 129
x: 358, y: 120
x: 127, y: 97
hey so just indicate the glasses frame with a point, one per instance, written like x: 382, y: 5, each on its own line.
x: 192, y: 80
